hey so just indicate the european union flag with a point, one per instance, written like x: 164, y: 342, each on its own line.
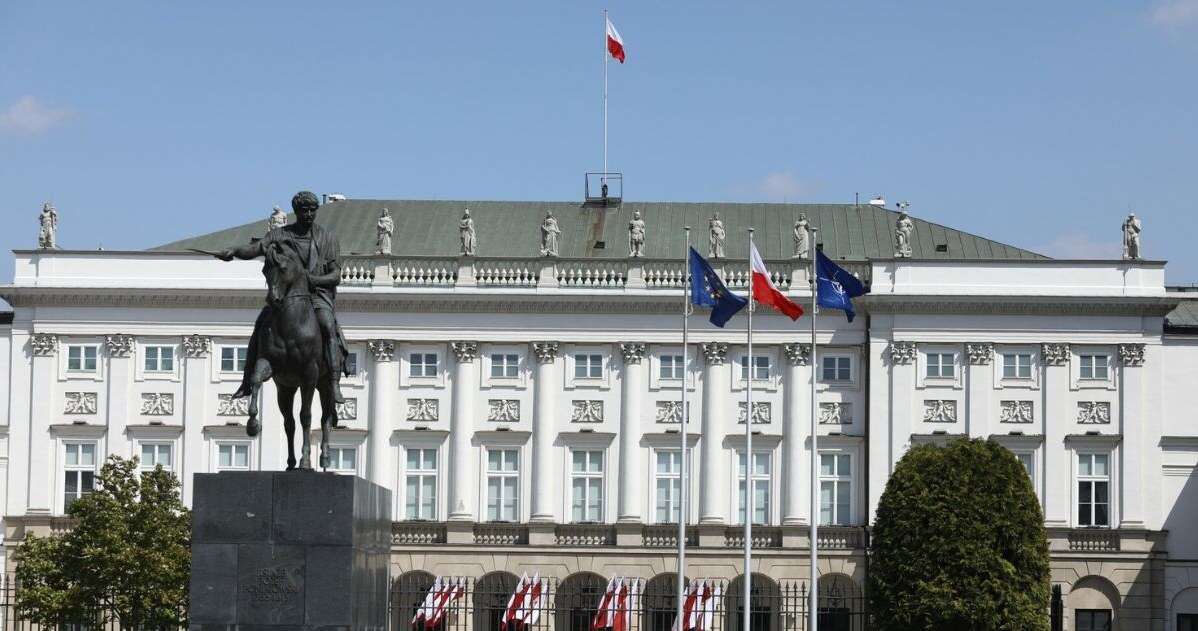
x: 837, y: 287
x: 707, y: 290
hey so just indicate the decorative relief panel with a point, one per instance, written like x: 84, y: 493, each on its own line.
x: 382, y: 350
x: 43, y: 344
x: 228, y: 406
x: 715, y: 352
x: 588, y: 411
x: 1093, y: 412
x: 545, y: 352
x: 424, y: 409
x: 1131, y: 354
x: 902, y: 352
x: 119, y: 345
x: 157, y: 403
x: 196, y: 346
x: 669, y: 412
x: 797, y: 354
x: 1015, y: 412
x: 940, y: 411
x: 80, y: 403
x: 980, y: 353
x: 634, y: 352
x: 348, y: 410
x: 1054, y: 354
x: 464, y: 352
x: 761, y: 412
x: 833, y: 413
x: 504, y: 410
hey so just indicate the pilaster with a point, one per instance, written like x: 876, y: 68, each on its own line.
x: 713, y: 467
x: 462, y: 476
x: 979, y: 386
x: 1054, y: 417
x: 41, y: 416
x: 1132, y: 420
x: 196, y: 349
x: 632, y: 487
x: 121, y: 352
x: 384, y: 379
x: 796, y: 392
x: 545, y: 385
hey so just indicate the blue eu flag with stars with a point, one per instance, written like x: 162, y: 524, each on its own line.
x: 837, y: 288
x: 707, y: 290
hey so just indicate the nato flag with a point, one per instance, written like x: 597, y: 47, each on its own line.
x: 707, y: 290
x: 837, y: 287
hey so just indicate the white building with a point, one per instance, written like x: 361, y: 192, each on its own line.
x: 525, y: 410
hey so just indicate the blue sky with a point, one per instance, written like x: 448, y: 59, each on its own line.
x: 1038, y: 124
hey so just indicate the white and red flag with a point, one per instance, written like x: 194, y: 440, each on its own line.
x: 615, y: 44
x: 526, y: 603
x: 764, y: 290
x: 436, y: 603
x: 617, y: 604
x: 516, y: 602
x: 698, y: 606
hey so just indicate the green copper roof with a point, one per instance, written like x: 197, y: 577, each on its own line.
x: 512, y: 229
x: 1185, y: 315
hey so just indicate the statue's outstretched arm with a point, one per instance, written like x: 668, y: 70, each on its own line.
x: 243, y: 252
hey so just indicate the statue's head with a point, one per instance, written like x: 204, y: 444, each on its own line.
x: 277, y: 210
x: 715, y: 217
x: 47, y: 207
x: 636, y: 214
x: 466, y: 214
x: 305, y: 205
x: 386, y: 213
x: 802, y: 216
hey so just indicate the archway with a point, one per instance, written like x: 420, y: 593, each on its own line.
x: 841, y: 606
x: 491, y: 593
x: 765, y: 603
x: 1093, y: 605
x: 659, y: 603
x: 577, y: 601
x: 1184, y: 610
x: 407, y: 594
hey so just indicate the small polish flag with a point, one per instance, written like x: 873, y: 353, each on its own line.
x: 615, y: 45
x: 765, y: 292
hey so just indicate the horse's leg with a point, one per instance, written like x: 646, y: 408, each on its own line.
x: 253, y: 426
x: 328, y: 418
x: 306, y: 392
x: 287, y: 408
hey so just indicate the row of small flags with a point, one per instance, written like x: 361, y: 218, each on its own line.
x: 620, y: 599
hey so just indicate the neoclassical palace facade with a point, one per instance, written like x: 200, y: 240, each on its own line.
x: 525, y: 410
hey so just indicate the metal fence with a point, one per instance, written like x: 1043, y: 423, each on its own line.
x: 10, y: 621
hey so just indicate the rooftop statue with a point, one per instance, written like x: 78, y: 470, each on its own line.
x: 716, y: 238
x: 277, y: 219
x: 636, y: 235
x: 903, y: 228
x: 802, y: 238
x: 296, y: 339
x: 386, y: 227
x: 1131, y: 238
x: 466, y: 234
x: 47, y: 238
x: 549, y: 235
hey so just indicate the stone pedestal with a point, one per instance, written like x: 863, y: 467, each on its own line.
x: 289, y: 551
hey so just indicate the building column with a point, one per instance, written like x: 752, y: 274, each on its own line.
x: 632, y: 487
x: 544, y: 406
x: 383, y: 381
x: 1054, y: 419
x: 41, y: 414
x: 462, y: 477
x: 713, y: 469
x: 120, y: 350
x: 796, y: 431
x: 979, y: 384
x: 196, y: 349
x: 1132, y: 421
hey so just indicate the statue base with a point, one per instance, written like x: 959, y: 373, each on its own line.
x: 289, y: 551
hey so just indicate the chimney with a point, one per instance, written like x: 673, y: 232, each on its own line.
x: 877, y: 201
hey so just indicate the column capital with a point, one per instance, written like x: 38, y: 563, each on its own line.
x: 44, y: 344
x: 464, y: 351
x: 980, y: 353
x: 902, y: 352
x: 1054, y: 354
x: 382, y: 350
x: 546, y: 352
x: 119, y: 344
x: 715, y: 352
x: 1131, y: 354
x: 798, y: 354
x: 634, y: 352
x: 196, y: 345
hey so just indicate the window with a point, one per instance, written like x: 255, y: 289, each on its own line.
x: 761, y: 368
x: 351, y: 364
x: 160, y: 359
x: 588, y: 366
x: 232, y: 358
x: 671, y: 367
x: 232, y: 456
x: 420, y: 484
x: 79, y: 471
x: 940, y: 365
x: 668, y: 482
x: 1027, y: 459
x: 154, y: 454
x: 1093, y: 490
x: 1017, y: 366
x: 835, y: 489
x: 1094, y: 367
x: 422, y: 365
x: 81, y: 358
x: 1187, y: 622
x: 343, y: 459
x: 1093, y: 619
x: 503, y: 484
x: 505, y: 365
x: 759, y: 480
x: 836, y: 369
x: 586, y: 473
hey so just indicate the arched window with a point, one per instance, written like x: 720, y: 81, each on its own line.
x: 407, y: 593
x: 659, y: 603
x: 491, y: 593
x: 577, y: 600
x: 841, y: 607
x: 1094, y: 604
x: 765, y: 604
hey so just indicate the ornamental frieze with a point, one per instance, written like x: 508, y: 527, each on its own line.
x: 586, y: 411
x: 503, y: 410
x: 1094, y: 412
x: 761, y: 412
x: 226, y: 405
x: 119, y: 345
x: 424, y: 409
x: 940, y: 411
x: 80, y: 403
x: 669, y: 412
x: 43, y: 344
x: 157, y: 403
x: 1015, y: 412
x: 835, y: 413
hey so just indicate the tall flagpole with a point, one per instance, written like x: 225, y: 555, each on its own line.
x: 605, y: 56
x: 683, y: 485
x: 748, y: 576
x: 812, y: 612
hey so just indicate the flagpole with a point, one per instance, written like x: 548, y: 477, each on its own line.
x: 813, y: 617
x: 748, y: 576
x: 683, y: 486
x: 603, y: 180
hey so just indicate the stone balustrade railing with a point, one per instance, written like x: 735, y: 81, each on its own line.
x: 406, y: 533
x: 763, y: 537
x: 666, y: 536
x: 1096, y: 540
x: 840, y: 537
x: 500, y: 534
x: 584, y: 535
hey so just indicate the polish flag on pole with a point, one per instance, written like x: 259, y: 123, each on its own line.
x: 615, y: 45
x: 514, y: 604
x: 765, y: 292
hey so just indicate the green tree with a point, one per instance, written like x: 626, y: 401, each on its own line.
x: 959, y: 543
x: 126, y: 559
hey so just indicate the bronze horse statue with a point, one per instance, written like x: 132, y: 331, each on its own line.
x: 291, y: 351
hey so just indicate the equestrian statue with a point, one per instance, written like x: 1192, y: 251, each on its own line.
x: 296, y: 339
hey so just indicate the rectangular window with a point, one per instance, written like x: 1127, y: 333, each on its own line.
x: 759, y: 481
x: 505, y: 365
x: 422, y: 365
x: 1093, y: 619
x: 351, y: 364
x: 1094, y: 367
x: 420, y: 484
x: 1017, y: 366
x: 232, y: 456
x: 343, y: 459
x: 154, y: 454
x: 1027, y: 459
x: 1093, y: 489
x: 160, y: 359
x: 836, y: 369
x: 232, y: 358
x: 940, y: 365
x: 79, y: 471
x: 672, y: 367
x: 761, y: 368
x: 503, y: 484
x: 82, y: 358
x: 586, y: 481
x: 835, y: 489
x: 668, y: 483
x: 588, y: 366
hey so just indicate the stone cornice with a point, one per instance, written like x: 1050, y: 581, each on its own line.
x: 1021, y: 305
